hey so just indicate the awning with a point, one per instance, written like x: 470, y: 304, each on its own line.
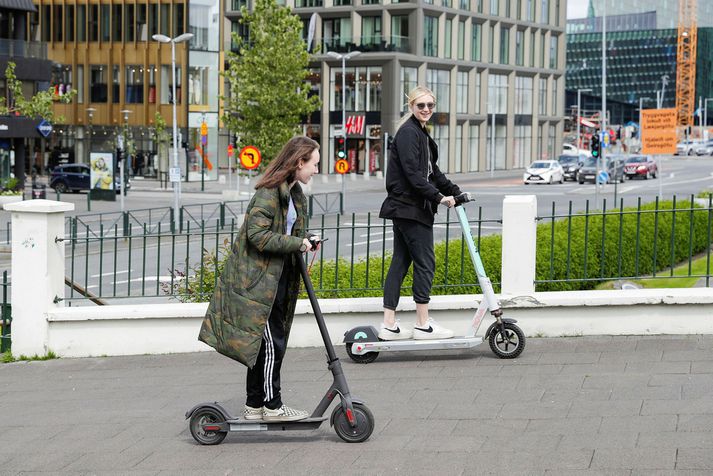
x: 21, y: 5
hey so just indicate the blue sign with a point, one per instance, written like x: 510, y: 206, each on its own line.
x: 44, y: 128
x: 603, y: 177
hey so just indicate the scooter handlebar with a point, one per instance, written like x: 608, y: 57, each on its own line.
x: 463, y: 198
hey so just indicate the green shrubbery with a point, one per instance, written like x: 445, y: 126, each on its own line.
x: 575, y: 248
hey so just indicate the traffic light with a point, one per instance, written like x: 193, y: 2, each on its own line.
x: 340, y: 149
x: 596, y: 146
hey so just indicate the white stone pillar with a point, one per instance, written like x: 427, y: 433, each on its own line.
x: 37, y: 271
x: 519, y: 244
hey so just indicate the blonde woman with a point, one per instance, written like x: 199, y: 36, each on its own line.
x: 415, y: 188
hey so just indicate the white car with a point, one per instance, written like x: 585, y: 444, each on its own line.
x: 687, y: 147
x: 570, y: 149
x: 543, y: 171
x: 704, y: 148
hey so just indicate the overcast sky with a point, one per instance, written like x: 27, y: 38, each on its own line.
x: 577, y: 8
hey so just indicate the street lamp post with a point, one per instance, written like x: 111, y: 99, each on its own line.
x: 579, y: 114
x: 125, y: 143
x: 175, y: 172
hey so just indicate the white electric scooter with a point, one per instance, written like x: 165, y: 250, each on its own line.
x: 506, y: 339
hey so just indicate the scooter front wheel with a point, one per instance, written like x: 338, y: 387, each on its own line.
x: 202, y: 417
x: 367, y: 358
x: 507, y: 342
x: 364, y: 423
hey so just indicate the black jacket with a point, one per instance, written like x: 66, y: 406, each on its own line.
x: 414, y: 191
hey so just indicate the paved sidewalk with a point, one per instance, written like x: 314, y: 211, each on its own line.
x: 567, y: 406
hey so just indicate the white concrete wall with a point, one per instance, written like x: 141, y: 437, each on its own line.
x: 173, y: 328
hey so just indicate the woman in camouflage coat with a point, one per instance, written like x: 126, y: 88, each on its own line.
x: 251, y: 311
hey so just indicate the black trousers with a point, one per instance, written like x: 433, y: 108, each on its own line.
x: 413, y: 243
x: 263, y: 380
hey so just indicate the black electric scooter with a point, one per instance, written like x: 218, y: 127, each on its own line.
x: 506, y: 339
x: 351, y: 419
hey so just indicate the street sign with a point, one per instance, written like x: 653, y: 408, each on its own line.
x: 341, y: 166
x: 603, y: 176
x: 204, y: 129
x: 250, y: 157
x: 658, y: 131
x: 44, y: 128
x: 230, y: 150
x: 174, y: 174
x: 204, y: 140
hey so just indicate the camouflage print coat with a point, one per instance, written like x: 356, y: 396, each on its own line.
x: 243, y: 297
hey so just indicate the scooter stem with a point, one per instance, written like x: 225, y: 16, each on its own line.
x: 331, y: 355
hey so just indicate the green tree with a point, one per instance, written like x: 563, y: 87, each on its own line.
x: 267, y: 78
x: 39, y: 105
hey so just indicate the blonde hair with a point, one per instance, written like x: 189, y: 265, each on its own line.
x: 413, y: 95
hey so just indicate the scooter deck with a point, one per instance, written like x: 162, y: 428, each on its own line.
x: 458, y: 342
x: 261, y: 425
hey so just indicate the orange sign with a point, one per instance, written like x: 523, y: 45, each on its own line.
x: 250, y: 157
x: 204, y: 129
x: 658, y: 131
x: 341, y: 166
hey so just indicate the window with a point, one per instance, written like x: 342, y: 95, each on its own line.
x: 371, y: 31
x: 497, y: 94
x: 519, y: 48
x: 542, y: 50
x: 97, y: 83
x: 399, y: 32
x: 474, y: 148
x: 203, y: 23
x: 115, y: 84
x: 129, y: 32
x: 522, y: 146
x: 532, y: 48
x: 46, y: 21
x: 61, y: 82
x: 523, y: 95
x: 545, y: 13
x: 105, y: 19
x: 336, y: 87
x: 557, y: 12
x: 494, y: 4
x: 342, y: 3
x: 165, y: 19
x: 116, y: 23
x: 461, y: 40
x: 543, y: 96
x: 336, y: 33
x: 178, y: 19
x: 458, y: 163
x: 134, y: 84
x: 518, y: 11
x: 93, y: 22
x: 465, y: 5
x: 530, y: 10
x: 495, y: 158
x: 197, y: 85
x: 462, y: 92
x: 504, y: 45
x: 475, y: 42
x: 141, y: 27
x: 430, y: 36
x: 81, y: 23
x: 476, y: 93
x: 555, y: 84
x: 439, y: 81
x: 153, y: 19
x: 553, y: 52
x: 409, y: 80
x: 449, y: 38
x: 373, y: 91
x: 69, y: 23
x: 167, y: 84
x: 491, y: 57
x: 440, y: 136
x: 551, y: 142
x: 57, y: 28
x: 79, y: 85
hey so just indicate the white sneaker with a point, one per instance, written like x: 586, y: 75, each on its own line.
x: 284, y: 413
x: 394, y: 333
x: 251, y: 413
x: 433, y: 331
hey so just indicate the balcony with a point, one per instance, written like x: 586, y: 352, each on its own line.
x: 23, y: 49
x: 367, y: 44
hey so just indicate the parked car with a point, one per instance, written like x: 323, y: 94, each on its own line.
x: 643, y: 166
x: 704, y: 148
x: 76, y: 177
x: 570, y: 165
x: 543, y: 171
x: 687, y: 147
x: 614, y: 166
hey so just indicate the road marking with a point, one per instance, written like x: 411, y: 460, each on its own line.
x: 111, y: 274
x: 365, y: 242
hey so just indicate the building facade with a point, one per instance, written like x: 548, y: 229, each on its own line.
x: 495, y: 66
x: 20, y: 138
x: 667, y: 10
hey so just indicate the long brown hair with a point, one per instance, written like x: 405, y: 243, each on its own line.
x: 283, y: 168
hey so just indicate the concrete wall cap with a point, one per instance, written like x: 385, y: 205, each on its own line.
x: 40, y: 206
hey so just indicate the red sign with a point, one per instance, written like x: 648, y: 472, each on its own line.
x: 355, y: 125
x: 230, y: 150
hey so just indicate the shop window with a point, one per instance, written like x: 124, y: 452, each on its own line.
x: 152, y: 84
x: 198, y: 85
x: 167, y: 84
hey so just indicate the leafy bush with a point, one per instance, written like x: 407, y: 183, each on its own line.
x: 572, y: 254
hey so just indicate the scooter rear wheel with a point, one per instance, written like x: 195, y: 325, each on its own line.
x: 206, y: 416
x: 367, y: 358
x: 508, y: 344
x: 364, y: 423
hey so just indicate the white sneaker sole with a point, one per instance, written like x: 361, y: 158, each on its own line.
x: 280, y: 418
x: 389, y: 336
x: 431, y: 336
x: 252, y: 417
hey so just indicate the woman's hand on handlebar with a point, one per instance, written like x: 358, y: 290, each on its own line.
x: 449, y: 201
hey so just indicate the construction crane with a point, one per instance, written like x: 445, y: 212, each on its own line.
x: 686, y: 61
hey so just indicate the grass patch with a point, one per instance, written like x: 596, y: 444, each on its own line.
x: 7, y: 357
x: 681, y: 276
